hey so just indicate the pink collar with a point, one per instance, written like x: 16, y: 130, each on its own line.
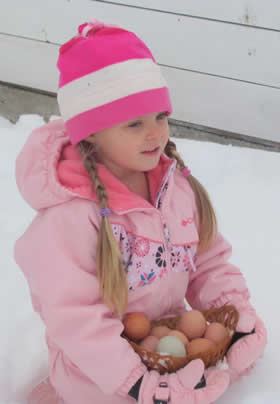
x: 73, y: 175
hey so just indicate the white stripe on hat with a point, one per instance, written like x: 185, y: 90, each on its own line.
x: 107, y: 85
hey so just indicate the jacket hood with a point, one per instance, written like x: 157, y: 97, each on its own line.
x: 50, y: 171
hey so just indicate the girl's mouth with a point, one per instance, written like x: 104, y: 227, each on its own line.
x: 151, y: 152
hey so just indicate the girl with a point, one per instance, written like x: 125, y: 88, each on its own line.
x: 122, y: 226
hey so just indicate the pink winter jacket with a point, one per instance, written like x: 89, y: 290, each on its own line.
x: 89, y: 360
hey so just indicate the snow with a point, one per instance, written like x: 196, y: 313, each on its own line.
x: 244, y: 187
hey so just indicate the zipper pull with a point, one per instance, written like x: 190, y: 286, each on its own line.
x: 162, y: 392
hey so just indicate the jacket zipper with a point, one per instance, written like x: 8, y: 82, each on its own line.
x: 165, y: 231
x: 167, y: 248
x: 165, y: 238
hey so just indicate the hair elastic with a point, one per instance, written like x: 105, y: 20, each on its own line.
x: 105, y: 212
x: 186, y: 171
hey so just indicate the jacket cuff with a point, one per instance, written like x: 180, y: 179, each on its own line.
x: 237, y: 336
x: 132, y: 379
x: 247, y: 314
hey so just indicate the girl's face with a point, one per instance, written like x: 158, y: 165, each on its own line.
x: 132, y: 146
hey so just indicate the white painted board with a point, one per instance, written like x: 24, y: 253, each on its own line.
x: 221, y: 74
x: 259, y: 13
x: 225, y: 104
x: 248, y: 109
x: 210, y: 47
x: 28, y: 63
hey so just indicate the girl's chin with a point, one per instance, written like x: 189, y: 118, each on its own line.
x: 151, y: 165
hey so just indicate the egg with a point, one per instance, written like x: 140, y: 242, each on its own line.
x: 136, y: 325
x: 171, y: 345
x: 160, y: 331
x: 150, y: 343
x: 179, y: 335
x: 216, y: 332
x: 192, y: 324
x: 199, y: 345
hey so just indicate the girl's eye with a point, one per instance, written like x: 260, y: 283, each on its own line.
x: 135, y: 124
x: 138, y: 123
x: 163, y: 115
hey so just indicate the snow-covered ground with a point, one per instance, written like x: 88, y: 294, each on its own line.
x: 245, y: 189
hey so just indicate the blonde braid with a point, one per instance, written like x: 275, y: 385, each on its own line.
x: 111, y: 274
x: 206, y: 213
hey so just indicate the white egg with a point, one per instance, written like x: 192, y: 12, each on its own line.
x: 171, y: 345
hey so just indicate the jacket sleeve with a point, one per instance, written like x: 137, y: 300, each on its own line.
x: 57, y: 255
x: 216, y: 282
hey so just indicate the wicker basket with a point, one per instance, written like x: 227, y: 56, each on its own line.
x: 226, y: 315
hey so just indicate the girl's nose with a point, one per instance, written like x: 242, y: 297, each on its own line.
x: 154, y: 132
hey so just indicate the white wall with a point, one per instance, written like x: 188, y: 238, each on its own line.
x: 220, y: 58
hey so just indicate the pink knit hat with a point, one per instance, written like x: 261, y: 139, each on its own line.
x: 107, y: 76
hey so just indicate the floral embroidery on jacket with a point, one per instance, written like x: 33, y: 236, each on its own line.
x: 142, y: 247
x: 175, y: 258
x: 145, y: 260
x: 146, y: 278
x: 160, y: 261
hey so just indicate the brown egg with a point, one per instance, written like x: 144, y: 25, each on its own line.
x: 216, y: 332
x: 199, y: 345
x: 160, y: 331
x: 179, y: 335
x: 150, y: 343
x: 192, y: 324
x: 136, y: 326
